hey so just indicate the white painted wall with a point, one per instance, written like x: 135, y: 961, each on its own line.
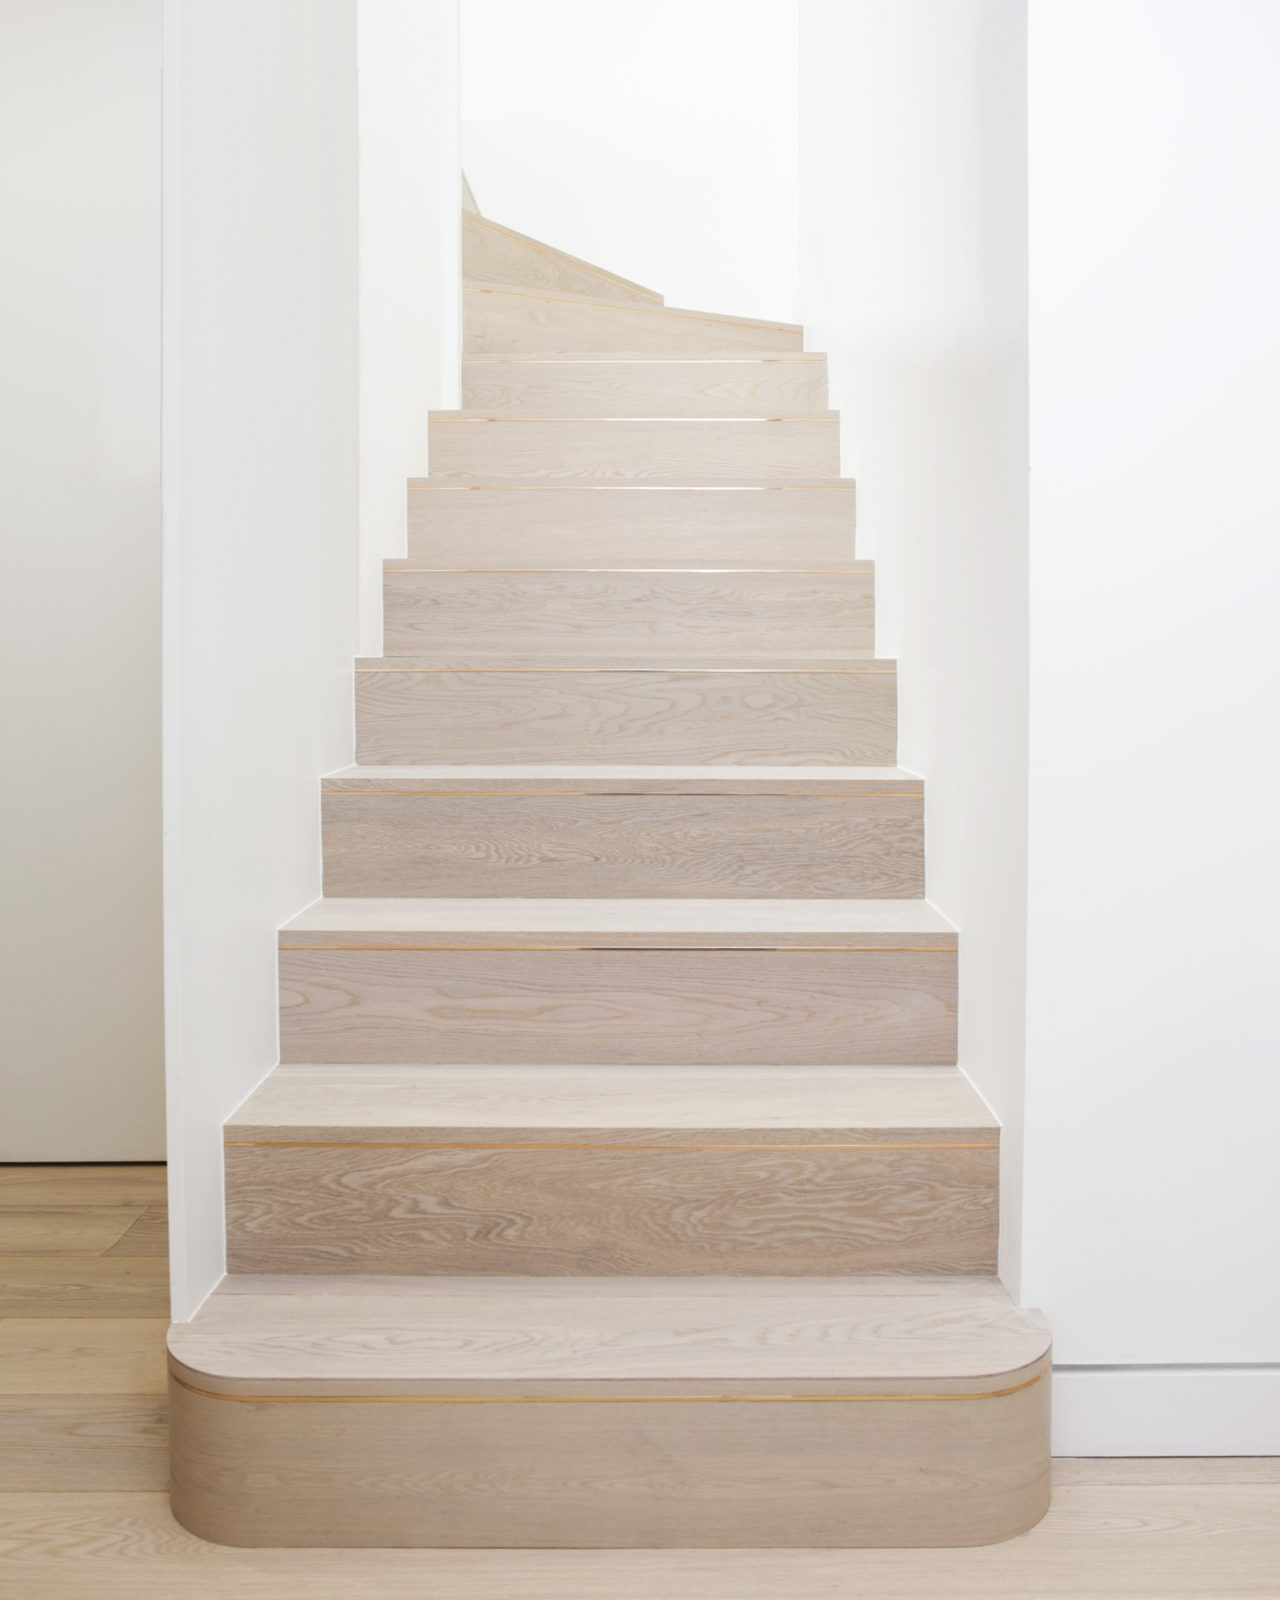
x: 1153, y: 1093
x: 410, y: 271
x: 311, y: 318
x: 913, y: 248
x: 82, y: 1071
x: 656, y: 138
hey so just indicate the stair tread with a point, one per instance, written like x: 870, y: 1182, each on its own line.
x: 367, y: 1331
x: 603, y: 662
x: 645, y: 779
x: 833, y: 919
x: 356, y: 1097
x: 526, y: 417
x: 525, y: 292
x: 641, y: 357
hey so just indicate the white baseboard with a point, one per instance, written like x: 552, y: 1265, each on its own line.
x: 1166, y: 1411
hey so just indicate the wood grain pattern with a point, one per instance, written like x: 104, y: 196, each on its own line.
x: 497, y: 320
x: 83, y: 1442
x: 869, y: 846
x: 631, y: 1475
x: 755, y: 615
x: 546, y: 525
x: 83, y: 1286
x: 82, y: 1355
x: 581, y: 1210
x: 498, y: 255
x: 744, y: 717
x: 77, y: 1230
x: 642, y: 1007
x: 690, y: 386
x: 300, y: 1102
x: 149, y: 1236
x: 608, y: 449
x: 46, y: 1187
x: 1097, y: 1542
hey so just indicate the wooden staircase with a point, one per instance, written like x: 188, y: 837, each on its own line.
x: 617, y: 1186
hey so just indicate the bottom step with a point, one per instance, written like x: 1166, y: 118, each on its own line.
x: 642, y: 1413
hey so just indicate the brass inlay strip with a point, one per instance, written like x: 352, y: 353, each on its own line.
x: 631, y: 949
x: 653, y: 488
x: 643, y: 311
x: 599, y: 1399
x: 619, y: 794
x: 421, y: 1144
x: 789, y: 672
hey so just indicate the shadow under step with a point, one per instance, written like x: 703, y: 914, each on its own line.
x: 626, y: 1413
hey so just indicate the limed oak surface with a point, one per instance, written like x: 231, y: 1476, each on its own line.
x: 656, y: 386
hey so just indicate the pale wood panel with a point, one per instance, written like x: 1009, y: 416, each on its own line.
x: 547, y: 778
x: 82, y: 1355
x: 498, y: 255
x: 1096, y: 1543
x: 83, y: 1442
x: 759, y: 615
x: 619, y: 845
x: 83, y: 1286
x: 1166, y: 1469
x: 609, y: 386
x: 294, y: 1101
x: 383, y: 1335
x: 666, y: 1474
x: 744, y: 717
x: 85, y: 1230
x: 709, y: 450
x: 577, y: 1209
x: 658, y: 1007
x: 692, y: 386
x: 597, y: 525
x: 149, y: 1236
x: 496, y: 320
x: 42, y: 1187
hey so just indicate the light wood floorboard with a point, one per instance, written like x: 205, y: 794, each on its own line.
x: 673, y: 386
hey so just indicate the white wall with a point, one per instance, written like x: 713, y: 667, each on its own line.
x: 292, y: 416
x: 260, y: 531
x: 913, y: 248
x: 656, y: 138
x: 1153, y: 1185
x: 410, y: 271
x: 82, y: 1072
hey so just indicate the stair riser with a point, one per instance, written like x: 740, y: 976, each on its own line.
x: 493, y: 254
x: 655, y: 1007
x: 743, y: 387
x: 760, y: 614
x: 709, y: 450
x: 590, y: 1211
x: 663, y: 718
x: 495, y: 321
x: 603, y: 526
x: 664, y: 1474
x: 618, y: 846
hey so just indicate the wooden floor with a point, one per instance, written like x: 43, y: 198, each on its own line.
x: 83, y: 1512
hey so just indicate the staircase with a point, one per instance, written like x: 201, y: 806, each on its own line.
x: 617, y: 1186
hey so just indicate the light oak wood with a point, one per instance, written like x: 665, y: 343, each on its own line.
x: 82, y: 1355
x: 710, y: 450
x: 497, y: 320
x: 149, y: 1236
x: 417, y: 708
x: 45, y: 1187
x: 654, y: 1007
x: 355, y: 1170
x: 381, y: 842
x: 295, y: 1102
x: 83, y: 1286
x: 546, y: 778
x: 541, y: 525
x: 750, y: 615
x: 82, y: 1442
x: 602, y: 1456
x: 493, y: 254
x: 1097, y: 1542
x: 76, y: 1230
x: 656, y: 386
